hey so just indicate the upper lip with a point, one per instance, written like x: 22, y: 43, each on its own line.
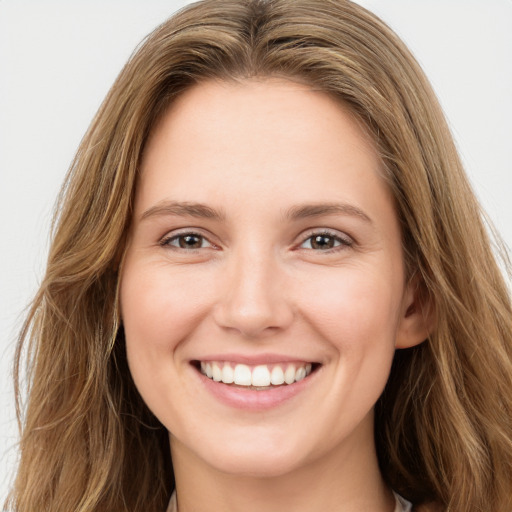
x: 267, y: 358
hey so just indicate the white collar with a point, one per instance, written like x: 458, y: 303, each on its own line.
x: 402, y: 505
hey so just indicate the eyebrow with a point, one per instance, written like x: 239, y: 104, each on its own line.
x: 202, y: 211
x: 182, y: 209
x: 320, y: 209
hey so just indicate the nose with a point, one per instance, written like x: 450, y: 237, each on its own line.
x: 253, y: 297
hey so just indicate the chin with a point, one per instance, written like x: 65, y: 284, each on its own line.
x: 257, y: 466
x: 265, y: 459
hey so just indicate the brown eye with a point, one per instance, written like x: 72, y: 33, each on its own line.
x: 190, y: 241
x: 187, y: 241
x: 322, y: 242
x: 325, y: 242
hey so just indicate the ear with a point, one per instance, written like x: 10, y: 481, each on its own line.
x: 417, y: 315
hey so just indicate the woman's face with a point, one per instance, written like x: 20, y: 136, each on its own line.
x: 264, y: 246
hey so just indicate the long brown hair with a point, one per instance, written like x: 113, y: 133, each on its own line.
x: 444, y: 423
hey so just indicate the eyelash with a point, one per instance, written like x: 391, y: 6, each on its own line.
x: 340, y: 242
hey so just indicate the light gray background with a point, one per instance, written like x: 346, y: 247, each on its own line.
x: 58, y: 59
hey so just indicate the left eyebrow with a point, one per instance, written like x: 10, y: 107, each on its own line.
x: 319, y: 209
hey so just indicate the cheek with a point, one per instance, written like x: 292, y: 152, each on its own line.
x: 353, y: 307
x: 355, y: 310
x: 160, y: 309
x: 158, y: 306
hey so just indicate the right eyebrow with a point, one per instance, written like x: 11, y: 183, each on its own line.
x: 182, y: 209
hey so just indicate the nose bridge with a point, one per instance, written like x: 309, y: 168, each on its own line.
x: 253, y: 298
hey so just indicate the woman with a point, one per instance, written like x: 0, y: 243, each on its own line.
x: 270, y: 284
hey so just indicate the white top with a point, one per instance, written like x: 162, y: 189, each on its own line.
x: 402, y: 505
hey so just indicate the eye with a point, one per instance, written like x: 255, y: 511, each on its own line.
x: 186, y: 241
x: 325, y: 241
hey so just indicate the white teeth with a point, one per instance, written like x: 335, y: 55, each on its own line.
x: 300, y: 374
x: 216, y: 372
x: 242, y: 375
x: 228, y: 376
x: 260, y: 376
x: 289, y: 374
x: 277, y: 376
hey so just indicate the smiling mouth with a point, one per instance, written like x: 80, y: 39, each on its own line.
x: 256, y: 377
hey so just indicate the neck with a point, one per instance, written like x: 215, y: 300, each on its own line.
x: 345, y: 480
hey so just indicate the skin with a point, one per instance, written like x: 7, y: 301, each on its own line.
x: 255, y: 284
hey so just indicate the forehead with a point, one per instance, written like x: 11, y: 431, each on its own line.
x: 294, y: 107
x: 253, y: 132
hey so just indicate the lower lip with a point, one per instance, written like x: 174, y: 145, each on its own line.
x: 252, y: 399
